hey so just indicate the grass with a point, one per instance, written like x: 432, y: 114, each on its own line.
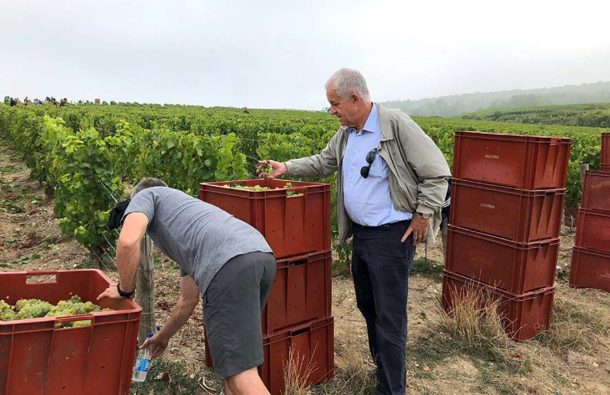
x: 573, y: 328
x: 170, y: 378
x: 297, y: 372
x: 473, y: 330
x: 428, y: 268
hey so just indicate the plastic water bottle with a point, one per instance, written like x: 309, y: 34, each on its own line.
x: 140, y: 369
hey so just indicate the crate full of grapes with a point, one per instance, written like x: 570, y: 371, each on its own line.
x: 293, y: 216
x: 56, y: 338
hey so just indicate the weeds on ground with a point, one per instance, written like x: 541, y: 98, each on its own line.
x: 428, y: 268
x: 572, y: 328
x: 354, y: 373
x: 171, y: 378
x: 473, y: 329
x: 297, y: 372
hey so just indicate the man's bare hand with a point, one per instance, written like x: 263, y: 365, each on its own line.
x: 156, y: 344
x: 419, y: 228
x: 270, y: 169
x: 110, y: 292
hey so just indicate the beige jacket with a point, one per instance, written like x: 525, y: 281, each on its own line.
x: 418, y: 170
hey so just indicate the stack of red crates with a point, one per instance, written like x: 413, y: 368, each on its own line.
x: 503, y: 239
x: 295, y: 221
x: 591, y: 255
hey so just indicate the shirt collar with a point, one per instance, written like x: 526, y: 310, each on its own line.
x: 371, y: 124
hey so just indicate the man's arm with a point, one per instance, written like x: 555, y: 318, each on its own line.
x: 128, y: 254
x: 189, y: 297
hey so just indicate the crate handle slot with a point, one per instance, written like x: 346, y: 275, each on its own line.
x: 299, y: 332
x: 297, y: 263
x: 43, y: 277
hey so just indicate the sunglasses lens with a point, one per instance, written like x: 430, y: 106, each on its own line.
x: 364, y: 171
x: 370, y: 157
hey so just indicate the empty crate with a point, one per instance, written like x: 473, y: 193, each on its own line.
x: 593, y: 230
x: 301, y: 291
x: 38, y: 358
x: 523, y: 162
x: 596, y: 191
x: 294, y: 221
x: 506, y: 265
x: 523, y: 315
x: 518, y: 215
x: 590, y: 269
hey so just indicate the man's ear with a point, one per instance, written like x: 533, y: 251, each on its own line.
x: 355, y: 98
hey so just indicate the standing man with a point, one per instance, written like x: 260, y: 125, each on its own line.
x: 222, y: 258
x: 391, y: 184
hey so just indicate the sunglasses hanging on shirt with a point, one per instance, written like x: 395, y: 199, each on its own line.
x: 370, y: 158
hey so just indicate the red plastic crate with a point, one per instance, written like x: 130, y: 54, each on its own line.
x: 312, y: 342
x: 590, y: 269
x: 512, y: 267
x: 301, y: 292
x: 523, y: 162
x: 605, y: 151
x: 292, y: 225
x: 596, y: 191
x: 593, y: 230
x: 514, y: 214
x: 37, y: 358
x: 523, y: 315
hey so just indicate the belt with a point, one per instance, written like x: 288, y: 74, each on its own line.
x: 380, y: 227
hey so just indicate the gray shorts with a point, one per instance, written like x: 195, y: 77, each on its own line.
x: 232, y: 307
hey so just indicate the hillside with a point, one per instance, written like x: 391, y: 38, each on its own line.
x: 598, y: 92
x: 593, y: 115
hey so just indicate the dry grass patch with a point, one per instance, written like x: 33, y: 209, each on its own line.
x: 297, y: 372
x: 573, y: 328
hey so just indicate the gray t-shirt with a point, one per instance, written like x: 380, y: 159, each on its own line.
x: 200, y: 237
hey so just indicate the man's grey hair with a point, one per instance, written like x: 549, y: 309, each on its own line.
x: 147, y: 183
x: 348, y: 81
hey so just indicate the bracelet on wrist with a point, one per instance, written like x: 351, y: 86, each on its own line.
x: 125, y: 294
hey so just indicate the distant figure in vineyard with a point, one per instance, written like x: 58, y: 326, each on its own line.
x: 245, y: 110
x: 222, y: 258
x: 391, y: 184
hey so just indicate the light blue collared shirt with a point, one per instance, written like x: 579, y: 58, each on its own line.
x: 367, y: 200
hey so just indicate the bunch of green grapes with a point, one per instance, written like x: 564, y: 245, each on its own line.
x: 264, y: 169
x: 255, y: 188
x: 36, y: 308
x: 73, y: 306
x: 6, y: 311
x: 31, y: 308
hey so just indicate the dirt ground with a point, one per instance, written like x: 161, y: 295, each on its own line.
x: 30, y: 240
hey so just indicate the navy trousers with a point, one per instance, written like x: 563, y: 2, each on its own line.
x: 380, y: 269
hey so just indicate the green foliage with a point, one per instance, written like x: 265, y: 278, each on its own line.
x: 593, y: 115
x: 84, y: 152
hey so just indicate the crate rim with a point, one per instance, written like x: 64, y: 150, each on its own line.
x: 515, y: 137
x: 507, y: 189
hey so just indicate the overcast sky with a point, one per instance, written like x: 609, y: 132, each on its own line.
x: 279, y: 53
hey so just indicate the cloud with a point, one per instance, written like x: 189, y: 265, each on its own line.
x: 278, y: 54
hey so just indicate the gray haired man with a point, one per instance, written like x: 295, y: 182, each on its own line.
x: 391, y: 184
